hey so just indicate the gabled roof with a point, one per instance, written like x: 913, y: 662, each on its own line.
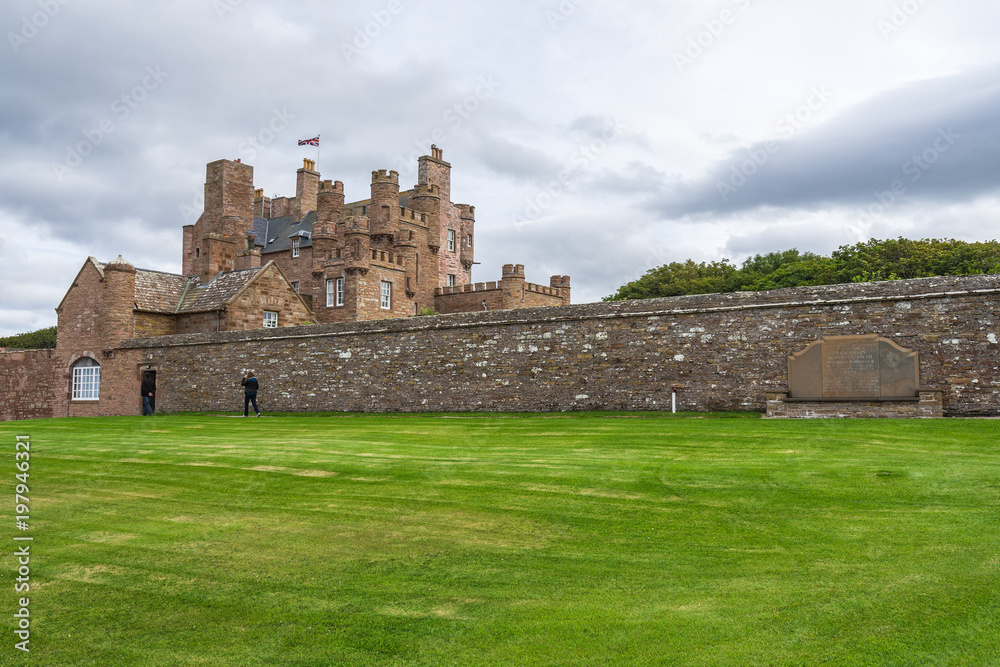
x: 159, y: 292
x: 275, y: 234
x: 218, y: 292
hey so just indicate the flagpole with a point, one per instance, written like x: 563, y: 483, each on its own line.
x: 317, y: 153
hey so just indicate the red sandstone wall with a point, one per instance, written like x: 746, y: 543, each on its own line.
x: 268, y: 291
x: 28, y: 382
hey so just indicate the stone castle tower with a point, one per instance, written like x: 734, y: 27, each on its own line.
x: 395, y: 254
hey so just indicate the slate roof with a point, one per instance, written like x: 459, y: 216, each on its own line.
x: 159, y: 292
x: 169, y: 293
x: 275, y: 234
x: 217, y: 293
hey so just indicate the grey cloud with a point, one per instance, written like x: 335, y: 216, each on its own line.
x: 848, y: 159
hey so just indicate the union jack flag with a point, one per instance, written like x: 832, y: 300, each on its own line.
x: 309, y: 142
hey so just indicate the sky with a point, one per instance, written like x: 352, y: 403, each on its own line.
x: 596, y: 139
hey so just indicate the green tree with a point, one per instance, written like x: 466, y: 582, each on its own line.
x: 679, y: 278
x: 33, y: 340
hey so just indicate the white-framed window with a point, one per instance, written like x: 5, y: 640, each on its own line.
x: 451, y: 240
x: 295, y: 286
x: 468, y: 240
x: 386, y: 293
x: 270, y: 319
x: 451, y: 280
x: 86, y: 380
x: 296, y: 244
x: 334, y: 292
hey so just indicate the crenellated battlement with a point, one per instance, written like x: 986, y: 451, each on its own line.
x: 466, y: 212
x: 410, y: 214
x: 426, y: 190
x: 384, y: 176
x: 328, y: 187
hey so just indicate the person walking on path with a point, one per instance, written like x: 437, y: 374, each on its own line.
x: 148, y: 391
x: 250, y: 387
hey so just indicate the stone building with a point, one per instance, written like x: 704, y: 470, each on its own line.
x: 251, y: 262
x: 394, y: 254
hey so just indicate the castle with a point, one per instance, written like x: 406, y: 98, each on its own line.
x: 251, y: 262
x: 395, y: 254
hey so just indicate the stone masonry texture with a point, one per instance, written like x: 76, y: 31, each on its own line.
x: 721, y: 352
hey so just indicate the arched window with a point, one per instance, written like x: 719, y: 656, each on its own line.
x: 86, y: 380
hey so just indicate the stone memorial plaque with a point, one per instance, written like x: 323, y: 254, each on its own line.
x: 853, y: 367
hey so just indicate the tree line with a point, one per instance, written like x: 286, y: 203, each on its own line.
x: 889, y: 259
x: 33, y: 340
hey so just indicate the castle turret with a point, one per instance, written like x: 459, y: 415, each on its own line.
x: 561, y: 283
x: 357, y: 244
x: 384, y: 208
x: 406, y: 247
x: 329, y: 205
x: 512, y: 286
x: 426, y: 199
x: 119, y: 302
x: 306, y: 189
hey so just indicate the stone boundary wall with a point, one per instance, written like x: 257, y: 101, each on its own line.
x: 722, y: 352
x: 28, y: 380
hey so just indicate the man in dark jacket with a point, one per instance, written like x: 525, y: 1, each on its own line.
x: 250, y: 386
x: 147, y: 390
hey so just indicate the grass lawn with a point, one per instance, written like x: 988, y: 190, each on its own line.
x: 582, y: 539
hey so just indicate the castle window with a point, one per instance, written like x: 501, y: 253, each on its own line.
x: 451, y: 240
x: 86, y: 380
x: 334, y: 292
x: 197, y: 253
x: 386, y: 302
x: 296, y: 243
x: 468, y: 240
x: 364, y: 210
x: 270, y: 319
x: 295, y: 286
x: 451, y: 280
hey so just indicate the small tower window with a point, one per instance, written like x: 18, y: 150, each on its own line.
x: 451, y: 280
x: 451, y: 240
